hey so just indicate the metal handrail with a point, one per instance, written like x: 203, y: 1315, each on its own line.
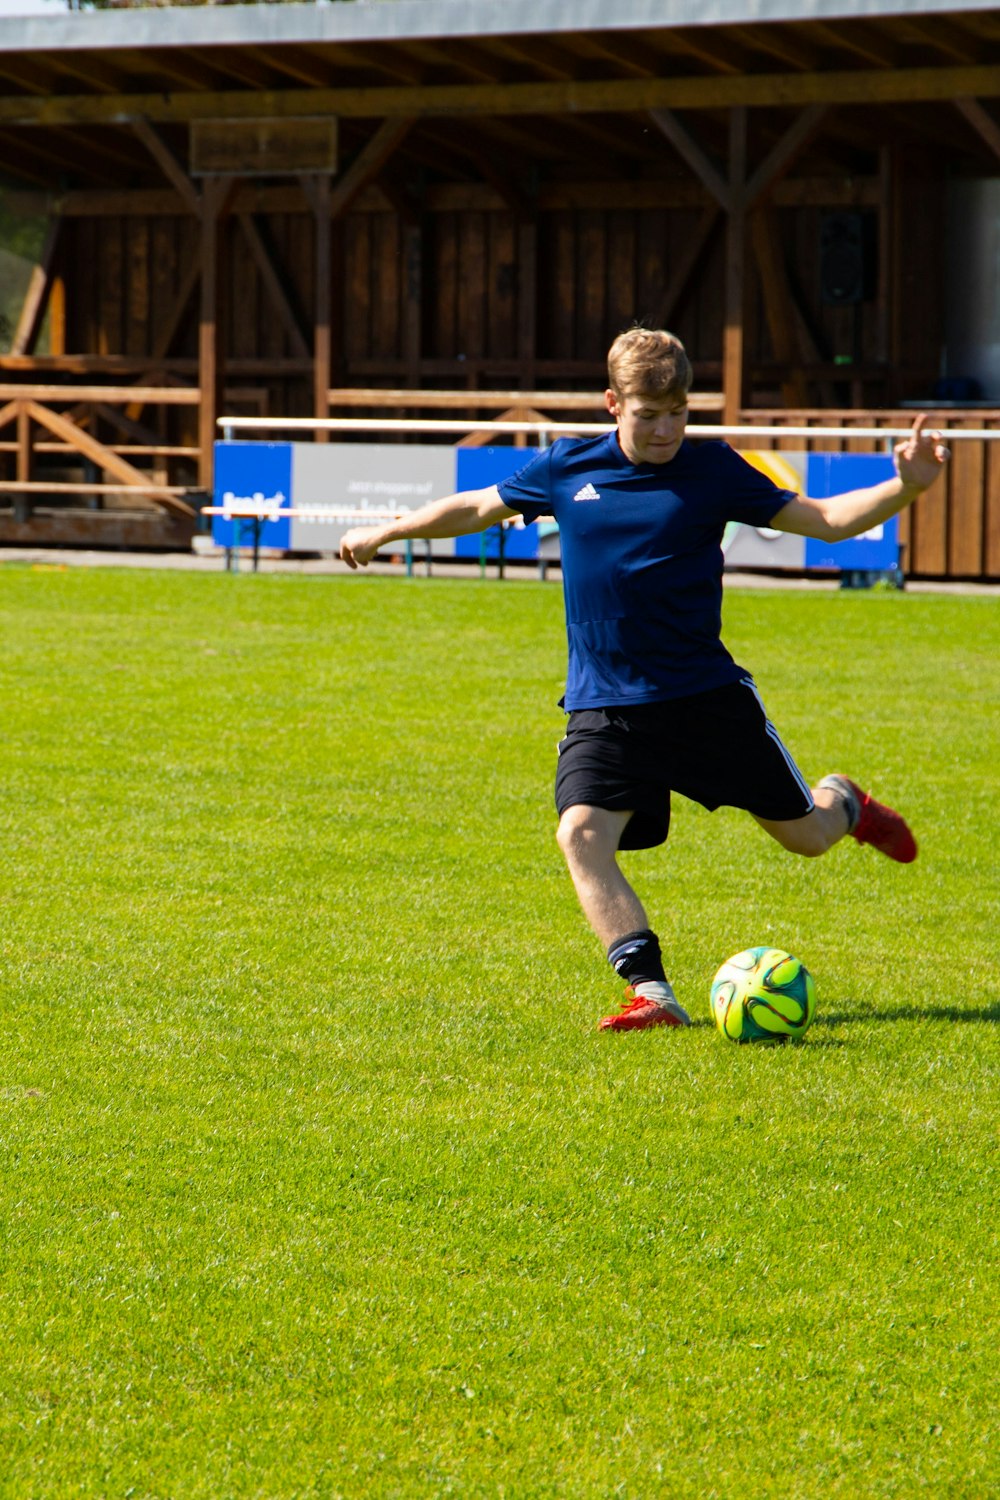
x: 694, y: 429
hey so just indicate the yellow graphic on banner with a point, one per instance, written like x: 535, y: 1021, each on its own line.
x: 783, y: 473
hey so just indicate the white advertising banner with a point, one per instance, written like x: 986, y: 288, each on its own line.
x: 364, y: 476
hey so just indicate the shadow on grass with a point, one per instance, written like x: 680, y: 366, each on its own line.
x: 779, y: 1043
x: 988, y: 1013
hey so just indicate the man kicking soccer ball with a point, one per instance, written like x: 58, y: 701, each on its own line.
x: 655, y: 701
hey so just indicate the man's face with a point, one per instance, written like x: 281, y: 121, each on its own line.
x: 650, y: 428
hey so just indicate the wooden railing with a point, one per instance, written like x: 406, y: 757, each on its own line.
x: 508, y: 405
x: 65, y: 484
x: 953, y: 531
x: 30, y: 409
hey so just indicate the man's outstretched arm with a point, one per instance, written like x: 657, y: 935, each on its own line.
x: 919, y: 459
x: 455, y: 515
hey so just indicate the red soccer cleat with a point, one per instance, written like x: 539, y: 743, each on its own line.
x: 640, y: 1012
x: 882, y: 827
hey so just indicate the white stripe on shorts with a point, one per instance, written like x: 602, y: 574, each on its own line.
x: 776, y: 737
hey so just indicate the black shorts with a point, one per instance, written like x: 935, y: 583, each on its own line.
x: 717, y: 748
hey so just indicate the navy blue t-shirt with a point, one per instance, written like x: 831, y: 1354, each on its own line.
x: 641, y: 549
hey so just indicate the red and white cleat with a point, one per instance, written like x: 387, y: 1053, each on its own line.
x: 874, y: 823
x: 654, y: 1007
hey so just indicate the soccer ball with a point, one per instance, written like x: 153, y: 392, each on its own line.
x: 763, y: 995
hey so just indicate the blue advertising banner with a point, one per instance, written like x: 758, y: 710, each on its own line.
x: 276, y: 476
x: 257, y: 474
x: 876, y: 551
x: 477, y: 469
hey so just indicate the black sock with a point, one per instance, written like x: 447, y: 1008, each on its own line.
x: 636, y: 957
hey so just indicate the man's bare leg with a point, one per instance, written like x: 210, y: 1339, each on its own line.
x: 589, y: 838
x: 818, y: 831
x: 842, y: 807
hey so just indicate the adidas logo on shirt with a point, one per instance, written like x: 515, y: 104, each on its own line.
x: 587, y: 493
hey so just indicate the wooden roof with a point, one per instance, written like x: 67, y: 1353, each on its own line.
x: 540, y: 89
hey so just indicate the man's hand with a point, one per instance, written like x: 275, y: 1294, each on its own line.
x: 920, y: 457
x: 359, y: 545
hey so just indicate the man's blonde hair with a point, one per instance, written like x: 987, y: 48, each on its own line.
x: 648, y: 362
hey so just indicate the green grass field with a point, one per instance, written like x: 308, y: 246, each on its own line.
x: 319, y: 1181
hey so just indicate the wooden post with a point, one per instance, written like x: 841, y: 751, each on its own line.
x: 22, y: 503
x: 57, y: 316
x: 211, y: 362
x: 36, y: 300
x: 322, y: 347
x: 732, y: 335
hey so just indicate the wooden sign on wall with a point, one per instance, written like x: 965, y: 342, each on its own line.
x: 263, y: 148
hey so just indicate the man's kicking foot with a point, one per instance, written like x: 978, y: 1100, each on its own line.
x: 871, y: 822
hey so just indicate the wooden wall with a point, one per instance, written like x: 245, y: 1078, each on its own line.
x: 476, y: 293
x: 486, y: 288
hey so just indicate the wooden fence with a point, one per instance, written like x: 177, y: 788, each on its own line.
x: 953, y: 531
x: 83, y: 463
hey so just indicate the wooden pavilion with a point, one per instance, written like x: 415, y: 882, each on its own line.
x: 410, y: 206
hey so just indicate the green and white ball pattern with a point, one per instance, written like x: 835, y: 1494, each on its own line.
x: 763, y: 995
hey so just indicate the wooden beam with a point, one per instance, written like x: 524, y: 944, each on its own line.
x: 323, y: 319
x: 84, y: 364
x: 105, y: 458
x: 860, y: 40
x: 168, y: 163
x: 789, y: 47
x: 57, y: 315
x: 99, y: 528
x: 452, y: 53
x: 61, y: 487
x: 709, y: 47
x: 8, y: 412
x: 159, y: 395
x: 89, y: 68
x: 688, y: 148
x: 22, y: 462
x: 36, y: 299
x: 211, y: 371
x: 781, y: 157
x: 946, y: 37
x: 456, y: 197
x: 732, y: 333
x: 535, y: 52
x: 685, y: 266
x: 171, y: 323
x: 605, y: 96
x: 28, y: 76
x: 982, y: 123
x: 273, y: 283
x: 126, y: 425
x: 437, y: 400
x: 628, y: 55
x: 367, y: 165
x: 376, y: 59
